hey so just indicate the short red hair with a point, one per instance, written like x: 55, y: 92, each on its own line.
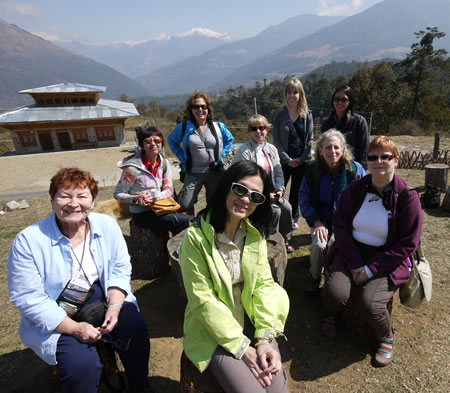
x: 383, y: 143
x: 70, y: 178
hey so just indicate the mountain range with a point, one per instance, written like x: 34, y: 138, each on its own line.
x: 133, y: 59
x: 205, y: 60
x: 385, y: 30
x: 27, y: 61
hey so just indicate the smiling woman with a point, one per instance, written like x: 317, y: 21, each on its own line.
x: 227, y: 278
x: 64, y: 263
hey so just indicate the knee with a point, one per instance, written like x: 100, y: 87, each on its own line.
x: 80, y: 366
x: 337, y: 288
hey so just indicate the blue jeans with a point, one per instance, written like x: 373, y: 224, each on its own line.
x: 79, y: 365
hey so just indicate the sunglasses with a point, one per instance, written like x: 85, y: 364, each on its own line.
x: 204, y: 107
x: 254, y: 128
x: 153, y: 139
x: 119, y: 344
x: 383, y: 157
x: 340, y: 99
x: 241, y: 191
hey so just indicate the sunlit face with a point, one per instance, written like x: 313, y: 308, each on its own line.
x: 382, y: 169
x: 341, y: 101
x: 199, y: 109
x: 152, y: 144
x: 72, y: 205
x: 258, y: 133
x: 242, y: 207
x: 331, y: 151
x: 292, y: 97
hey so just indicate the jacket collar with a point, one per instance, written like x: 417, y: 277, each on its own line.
x: 57, y: 236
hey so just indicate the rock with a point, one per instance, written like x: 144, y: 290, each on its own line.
x: 13, y: 205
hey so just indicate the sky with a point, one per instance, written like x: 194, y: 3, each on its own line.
x: 105, y: 21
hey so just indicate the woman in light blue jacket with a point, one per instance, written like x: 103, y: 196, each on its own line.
x: 204, y: 145
x: 64, y: 263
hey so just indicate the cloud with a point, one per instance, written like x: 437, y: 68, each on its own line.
x: 206, y: 33
x: 21, y: 9
x: 335, y: 8
x: 49, y: 36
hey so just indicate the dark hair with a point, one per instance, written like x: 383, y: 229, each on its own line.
x: 145, y: 132
x: 190, y: 102
x: 260, y: 218
x: 346, y: 122
x: 72, y: 178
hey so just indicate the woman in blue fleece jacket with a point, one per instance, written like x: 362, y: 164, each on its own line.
x: 325, y: 180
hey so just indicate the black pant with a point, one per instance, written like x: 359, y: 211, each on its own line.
x: 297, y: 177
x: 173, y: 222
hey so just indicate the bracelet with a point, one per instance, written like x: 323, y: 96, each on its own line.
x: 115, y: 305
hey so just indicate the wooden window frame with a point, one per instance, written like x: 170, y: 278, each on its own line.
x: 105, y: 133
x: 24, y: 136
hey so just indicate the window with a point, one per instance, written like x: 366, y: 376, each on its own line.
x: 27, y: 139
x: 80, y: 135
x: 105, y: 134
x: 50, y: 101
x: 74, y: 100
x: 58, y: 101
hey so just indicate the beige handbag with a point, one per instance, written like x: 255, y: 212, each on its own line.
x: 419, y: 285
x: 165, y: 206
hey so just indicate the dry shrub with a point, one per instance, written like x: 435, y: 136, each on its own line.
x: 111, y: 207
x: 406, y: 127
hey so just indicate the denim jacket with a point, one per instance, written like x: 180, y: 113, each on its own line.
x: 40, y: 266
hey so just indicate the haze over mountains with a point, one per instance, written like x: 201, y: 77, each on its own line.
x: 27, y: 61
x: 205, y: 60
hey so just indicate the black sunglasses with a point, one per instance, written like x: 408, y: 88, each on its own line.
x: 254, y: 128
x: 204, y: 107
x: 340, y: 99
x: 383, y: 157
x: 119, y: 344
x: 241, y: 191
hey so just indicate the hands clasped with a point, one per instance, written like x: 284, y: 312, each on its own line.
x: 263, y: 362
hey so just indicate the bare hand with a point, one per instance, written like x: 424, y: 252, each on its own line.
x: 294, y: 163
x: 250, y: 358
x: 143, y: 198
x: 269, y: 359
x: 86, y: 333
x: 359, y: 276
x: 111, y: 319
x: 321, y: 232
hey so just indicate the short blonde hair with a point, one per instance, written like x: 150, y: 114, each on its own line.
x: 295, y: 84
x: 258, y: 119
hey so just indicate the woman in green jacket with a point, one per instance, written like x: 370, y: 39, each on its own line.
x: 229, y: 284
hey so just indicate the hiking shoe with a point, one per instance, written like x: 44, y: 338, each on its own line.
x: 329, y: 327
x: 289, y: 248
x: 385, y: 351
x: 312, y: 286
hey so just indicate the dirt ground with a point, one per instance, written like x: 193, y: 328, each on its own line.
x: 312, y: 362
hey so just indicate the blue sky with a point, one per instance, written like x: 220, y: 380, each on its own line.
x: 136, y: 20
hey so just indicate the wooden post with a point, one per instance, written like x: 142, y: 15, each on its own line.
x: 437, y: 138
x: 436, y: 175
x: 446, y: 202
x: 276, y: 254
x: 148, y: 252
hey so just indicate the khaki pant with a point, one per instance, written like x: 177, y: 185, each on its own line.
x: 318, y: 255
x: 234, y: 376
x: 373, y: 297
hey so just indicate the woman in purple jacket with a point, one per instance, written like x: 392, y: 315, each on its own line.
x: 376, y: 228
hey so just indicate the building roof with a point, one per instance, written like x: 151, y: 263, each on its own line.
x: 66, y: 88
x: 104, y: 109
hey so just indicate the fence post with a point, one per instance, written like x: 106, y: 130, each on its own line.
x: 437, y: 139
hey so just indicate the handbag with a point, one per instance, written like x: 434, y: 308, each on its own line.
x: 164, y: 206
x: 93, y: 313
x: 419, y: 285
